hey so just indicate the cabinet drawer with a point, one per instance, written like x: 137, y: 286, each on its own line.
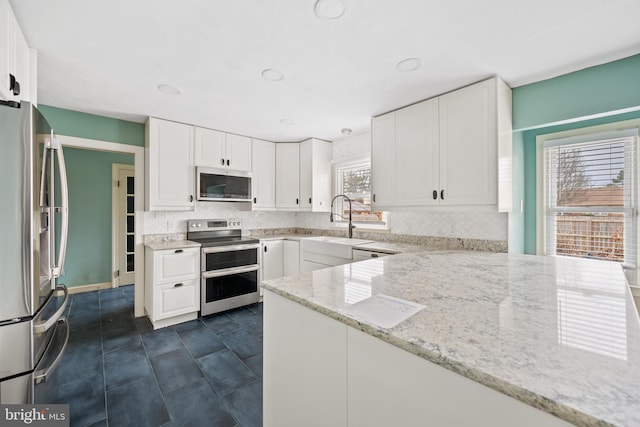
x: 174, y: 299
x: 176, y: 265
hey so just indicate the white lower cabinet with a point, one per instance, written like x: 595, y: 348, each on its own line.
x: 305, y: 372
x: 176, y: 299
x: 335, y: 375
x: 172, y: 285
x: 291, y: 257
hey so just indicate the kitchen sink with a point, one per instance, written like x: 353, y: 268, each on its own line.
x: 339, y: 247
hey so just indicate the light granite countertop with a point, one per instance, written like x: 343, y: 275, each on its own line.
x: 171, y: 244
x: 559, y: 334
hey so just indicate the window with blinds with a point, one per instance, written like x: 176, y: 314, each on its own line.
x: 590, y: 196
x: 353, y: 179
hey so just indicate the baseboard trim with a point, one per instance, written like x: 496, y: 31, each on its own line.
x: 89, y: 288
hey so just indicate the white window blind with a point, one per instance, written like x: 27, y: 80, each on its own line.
x: 590, y: 196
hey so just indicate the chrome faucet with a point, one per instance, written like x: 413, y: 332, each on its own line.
x: 351, y: 226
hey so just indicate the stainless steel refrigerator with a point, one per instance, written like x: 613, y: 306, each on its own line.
x: 33, y: 241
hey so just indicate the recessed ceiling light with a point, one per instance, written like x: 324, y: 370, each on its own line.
x: 169, y: 89
x: 272, y: 75
x: 329, y: 9
x: 346, y: 131
x: 287, y: 122
x: 409, y: 64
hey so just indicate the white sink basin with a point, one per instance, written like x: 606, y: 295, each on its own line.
x: 334, y: 246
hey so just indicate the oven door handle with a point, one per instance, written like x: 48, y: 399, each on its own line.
x: 229, y: 271
x: 242, y: 247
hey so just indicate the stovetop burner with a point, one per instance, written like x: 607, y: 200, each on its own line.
x: 217, y: 232
x: 223, y: 241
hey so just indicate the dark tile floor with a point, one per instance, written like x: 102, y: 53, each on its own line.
x: 118, y: 371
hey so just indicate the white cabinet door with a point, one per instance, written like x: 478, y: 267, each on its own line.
x: 222, y: 150
x: 417, y: 158
x: 14, y: 57
x: 170, y: 168
x: 176, y: 264
x: 263, y: 181
x: 468, y: 145
x: 291, y: 251
x: 209, y: 148
x: 383, y: 160
x: 288, y: 176
x: 174, y: 299
x: 306, y: 174
x: 272, y: 259
x: 5, y: 49
x: 315, y: 175
x: 238, y: 152
x: 310, y: 388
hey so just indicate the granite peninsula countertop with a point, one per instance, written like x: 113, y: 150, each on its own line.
x: 559, y: 334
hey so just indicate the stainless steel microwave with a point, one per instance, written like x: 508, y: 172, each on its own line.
x: 223, y: 185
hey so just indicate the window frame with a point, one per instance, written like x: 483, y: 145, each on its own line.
x: 336, y: 171
x: 580, y: 135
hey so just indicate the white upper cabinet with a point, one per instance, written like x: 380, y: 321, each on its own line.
x: 170, y: 166
x: 445, y: 151
x: 417, y: 148
x: 222, y: 150
x: 263, y: 180
x: 16, y: 68
x: 383, y: 160
x: 315, y: 175
x: 468, y: 144
x: 288, y: 176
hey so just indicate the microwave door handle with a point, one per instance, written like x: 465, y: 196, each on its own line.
x: 64, y: 213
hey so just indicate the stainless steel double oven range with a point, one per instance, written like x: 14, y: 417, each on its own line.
x: 229, y: 265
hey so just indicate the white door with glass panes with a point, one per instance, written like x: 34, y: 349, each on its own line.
x: 123, y: 225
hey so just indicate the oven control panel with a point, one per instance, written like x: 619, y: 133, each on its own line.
x: 213, y: 224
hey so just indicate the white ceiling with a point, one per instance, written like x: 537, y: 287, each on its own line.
x: 107, y: 57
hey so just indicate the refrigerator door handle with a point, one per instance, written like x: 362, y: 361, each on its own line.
x: 58, y: 269
x: 44, y: 326
x: 40, y: 375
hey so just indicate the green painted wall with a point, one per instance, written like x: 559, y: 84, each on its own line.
x: 89, y: 174
x: 603, y: 91
x: 89, y: 249
x: 83, y: 125
x: 575, y: 96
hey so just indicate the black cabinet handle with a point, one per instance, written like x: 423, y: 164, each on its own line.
x: 309, y: 200
x: 435, y: 195
x: 178, y: 251
x: 297, y: 201
x: 222, y: 162
x: 228, y: 162
x: 442, y: 194
x: 14, y: 85
x: 374, y: 255
x: 255, y: 200
x: 177, y: 285
x: 265, y: 249
x: 374, y: 197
